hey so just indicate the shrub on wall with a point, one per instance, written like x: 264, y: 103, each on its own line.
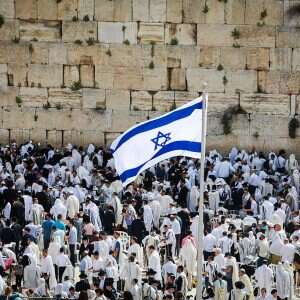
x: 293, y: 125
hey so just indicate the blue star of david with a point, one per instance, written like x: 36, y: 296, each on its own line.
x: 161, y: 139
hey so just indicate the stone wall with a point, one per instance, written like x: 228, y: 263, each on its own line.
x: 83, y: 71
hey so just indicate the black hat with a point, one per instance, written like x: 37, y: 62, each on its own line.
x: 82, y: 275
x: 150, y: 272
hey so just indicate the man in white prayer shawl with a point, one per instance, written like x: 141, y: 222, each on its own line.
x: 289, y: 269
x: 193, y: 198
x: 154, y: 262
x: 214, y: 199
x: 267, y: 209
x: 58, y: 209
x: 31, y: 273
x: 28, y: 206
x: 72, y: 204
x: 148, y: 216
x: 133, y: 271
x: 165, y: 202
x: 264, y: 277
x: 283, y: 282
x: 116, y: 204
x: 37, y: 212
x: 156, y: 210
x: 219, y: 259
x: 77, y: 158
x: 136, y: 250
x: 47, y: 269
x: 296, y: 179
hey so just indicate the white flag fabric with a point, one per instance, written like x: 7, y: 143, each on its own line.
x: 177, y: 133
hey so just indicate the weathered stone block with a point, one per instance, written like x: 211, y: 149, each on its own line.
x: 3, y: 81
x: 47, y: 9
x: 235, y: 11
x: 17, y: 74
x: 185, y: 34
x: 40, y: 74
x: 141, y: 100
x: 85, y: 55
x: 65, y: 98
x: 268, y: 82
x: 245, y: 81
x: 7, y: 9
x: 158, y: 10
x: 3, y: 68
x: 288, y: 37
x: 9, y: 30
x: 178, y: 80
x: 196, y: 77
x: 290, y: 17
x: 115, y: 32
x: 26, y: 9
x: 57, y: 54
x: 266, y: 104
x: 8, y: 95
x: 184, y: 97
x: 71, y: 75
x: 10, y: 53
x: 67, y: 9
x: 42, y: 31
x: 174, y: 11
x: 86, y: 8
x: 33, y: 97
x: 104, y: 10
x: 296, y: 59
x: 140, y: 10
x: 255, y: 10
x: 118, y: 100
x: 280, y: 59
x: 72, y: 31
x: 93, y: 98
x: 104, y: 77
x: 87, y: 75
x: 209, y: 57
x: 232, y: 58
x: 219, y: 102
x: 151, y: 32
x: 257, y: 58
x: 40, y: 53
x: 164, y: 101
x: 129, y: 78
x: 122, y: 11
x: 216, y: 12
x: 289, y: 83
x: 193, y: 11
x: 187, y: 55
x: 154, y: 79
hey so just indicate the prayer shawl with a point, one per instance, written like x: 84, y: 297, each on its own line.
x: 154, y: 264
x: 188, y: 256
x: 156, y: 209
x: 28, y: 207
x: 132, y: 271
x: 283, y: 282
x: 48, y: 268
x: 248, y: 286
x: 296, y: 179
x: 31, y: 274
x: 193, y: 199
x: 148, y: 217
x: 138, y: 250
x: 37, y: 214
x: 264, y: 277
x: 72, y: 206
x: 59, y: 209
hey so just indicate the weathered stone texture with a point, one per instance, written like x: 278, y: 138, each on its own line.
x: 26, y: 9
x: 174, y: 11
x: 67, y: 9
x: 64, y: 98
x: 83, y: 31
x: 93, y: 98
x: 184, y: 34
x: 7, y: 9
x: 151, y: 32
x: 47, y: 9
x: 17, y: 74
x: 281, y: 59
x: 71, y: 75
x: 245, y: 81
x: 87, y: 75
x: 33, y: 97
x: 86, y: 9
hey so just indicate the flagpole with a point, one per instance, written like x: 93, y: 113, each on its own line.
x: 201, y: 200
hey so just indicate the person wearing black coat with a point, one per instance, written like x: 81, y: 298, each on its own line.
x: 138, y: 229
x: 83, y: 284
x: 7, y: 234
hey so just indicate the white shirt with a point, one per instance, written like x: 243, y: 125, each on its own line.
x: 209, y: 242
x: 175, y: 226
x: 288, y: 252
x: 62, y: 260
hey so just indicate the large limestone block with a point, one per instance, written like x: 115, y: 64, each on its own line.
x: 8, y: 95
x: 7, y: 9
x: 33, y: 97
x: 164, y: 101
x: 3, y: 77
x: 17, y: 74
x: 245, y: 80
x: 122, y: 11
x: 182, y: 97
x: 141, y: 100
x: 154, y: 79
x: 183, y: 56
x: 232, y: 58
x: 38, y: 135
x: 273, y: 9
x: 71, y: 75
x: 47, y: 9
x: 297, y: 105
x: 257, y: 58
x: 72, y: 31
x: 3, y: 68
x: 216, y: 12
x: 57, y: 54
x: 26, y: 9
x: 290, y: 17
x: 269, y: 82
x: 219, y: 102
x: 296, y: 59
x: 289, y: 83
x: 9, y: 30
x: 174, y: 11
x: 178, y: 79
x: 288, y: 37
x: 11, y: 53
x: 104, y: 77
x: 131, y: 79
x: 86, y: 8
x: 281, y: 59
x: 93, y: 98
x: 193, y: 11
x: 85, y: 55
x: 151, y: 32
x: 47, y: 31
x: 67, y: 9
x: 104, y: 10
x: 40, y: 74
x: 116, y: 32
x: 65, y: 98
x: 209, y: 57
x: 140, y: 10
x: 118, y: 100
x: 40, y: 53
x: 158, y: 10
x: 185, y: 34
x: 196, y: 77
x: 87, y: 75
x: 235, y: 12
x: 153, y: 53
x: 214, y: 35
x: 267, y: 104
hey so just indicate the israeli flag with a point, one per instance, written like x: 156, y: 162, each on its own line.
x: 177, y: 133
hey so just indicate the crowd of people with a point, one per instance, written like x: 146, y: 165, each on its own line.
x: 69, y: 230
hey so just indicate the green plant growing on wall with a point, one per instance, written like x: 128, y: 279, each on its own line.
x: 58, y: 1
x: 225, y: 80
x: 35, y: 40
x: 86, y: 18
x: 174, y: 42
x: 58, y: 106
x: 76, y: 85
x: 123, y: 28
x: 151, y: 65
x: 2, y: 20
x: 108, y: 52
x: 256, y: 134
x: 261, y: 24
x: 227, y: 118
x: 220, y: 67
x: 78, y: 42
x: 46, y: 105
x: 235, y: 33
x: 126, y: 42
x: 16, y: 40
x: 173, y: 106
x: 30, y: 47
x: 75, y: 19
x: 19, y: 101
x: 263, y: 14
x: 236, y: 45
x: 90, y: 41
x: 36, y: 117
x: 294, y: 124
x: 135, y: 108
x: 205, y: 9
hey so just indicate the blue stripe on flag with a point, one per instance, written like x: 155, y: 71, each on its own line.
x: 173, y: 116
x: 178, y: 145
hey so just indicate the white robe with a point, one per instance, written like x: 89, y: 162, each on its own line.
x: 154, y: 264
x: 156, y: 209
x: 264, y: 277
x: 59, y: 209
x: 148, y: 217
x: 138, y: 250
x: 28, y: 207
x: 283, y: 282
x: 193, y: 199
x: 72, y: 204
x: 31, y: 273
x: 48, y: 268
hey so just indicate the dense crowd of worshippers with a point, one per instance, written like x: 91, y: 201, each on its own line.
x: 69, y: 230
